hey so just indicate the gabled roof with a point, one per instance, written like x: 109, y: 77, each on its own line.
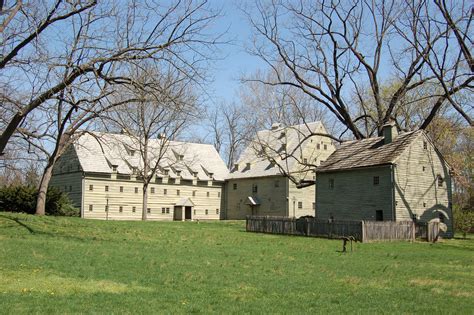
x: 368, y: 152
x: 253, y: 163
x: 101, y: 152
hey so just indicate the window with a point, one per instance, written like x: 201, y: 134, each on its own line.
x: 331, y: 183
x: 177, y: 192
x: 305, y: 161
x: 425, y: 145
x: 91, y: 187
x: 106, y: 208
x: 318, y: 146
x: 136, y: 190
x: 378, y: 215
x: 194, y: 211
x: 254, y: 188
x: 121, y: 188
x: 207, y: 194
x: 165, y: 191
x: 217, y: 211
x: 277, y: 183
x: 163, y: 210
x: 235, y: 186
x: 325, y: 147
x: 376, y: 180
x: 218, y: 194
x: 165, y: 172
x: 424, y: 204
x: 440, y: 181
x: 120, y: 209
x: 300, y: 205
x: 152, y: 190
x: 106, y: 188
x: 314, y: 206
x: 91, y: 207
x: 168, y: 210
x: 207, y: 211
x: 424, y: 168
x: 194, y: 193
x: 134, y: 209
x: 114, y: 168
x: 148, y: 210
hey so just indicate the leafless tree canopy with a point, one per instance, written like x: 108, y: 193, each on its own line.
x: 50, y: 49
x: 341, y: 53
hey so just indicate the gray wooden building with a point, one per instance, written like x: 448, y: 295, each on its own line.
x: 257, y: 185
x: 395, y: 177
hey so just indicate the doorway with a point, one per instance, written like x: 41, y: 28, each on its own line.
x: 188, y: 213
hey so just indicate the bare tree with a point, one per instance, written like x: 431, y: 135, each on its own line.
x: 228, y: 129
x: 153, y: 120
x: 52, y: 47
x: 335, y: 49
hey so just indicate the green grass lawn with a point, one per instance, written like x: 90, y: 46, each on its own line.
x: 70, y: 265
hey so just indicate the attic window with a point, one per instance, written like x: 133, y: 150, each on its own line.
x: 305, y: 161
x: 254, y: 188
x: 166, y: 172
x: 181, y: 157
x: 376, y: 180
x: 132, y: 152
x: 440, y: 181
x: 425, y: 145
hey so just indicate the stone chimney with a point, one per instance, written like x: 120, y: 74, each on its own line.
x: 389, y: 131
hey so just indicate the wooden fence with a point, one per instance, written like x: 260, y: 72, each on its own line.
x: 363, y: 231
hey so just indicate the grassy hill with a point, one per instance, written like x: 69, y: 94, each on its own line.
x: 70, y: 265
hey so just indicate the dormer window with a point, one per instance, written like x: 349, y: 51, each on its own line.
x: 166, y: 172
x: 178, y: 172
x: 132, y: 152
x: 211, y: 174
x: 195, y: 174
x: 181, y: 157
x: 114, y: 168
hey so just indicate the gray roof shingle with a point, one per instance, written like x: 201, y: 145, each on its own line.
x: 99, y: 152
x: 368, y: 152
x: 277, y: 139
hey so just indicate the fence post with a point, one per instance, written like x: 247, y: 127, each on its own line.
x: 363, y: 231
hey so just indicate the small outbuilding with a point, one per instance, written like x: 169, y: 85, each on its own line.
x: 395, y: 177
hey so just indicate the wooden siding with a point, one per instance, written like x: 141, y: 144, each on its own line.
x: 354, y: 195
x: 416, y: 190
x: 98, y: 198
x: 275, y: 201
x: 67, y: 176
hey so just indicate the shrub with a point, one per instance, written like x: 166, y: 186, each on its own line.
x: 23, y: 199
x: 463, y: 220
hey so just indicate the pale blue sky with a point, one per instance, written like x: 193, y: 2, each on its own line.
x: 235, y: 61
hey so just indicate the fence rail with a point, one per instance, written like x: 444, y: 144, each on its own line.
x: 364, y: 231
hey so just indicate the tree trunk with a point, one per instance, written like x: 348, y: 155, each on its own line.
x: 43, y: 188
x: 8, y: 132
x: 145, y: 201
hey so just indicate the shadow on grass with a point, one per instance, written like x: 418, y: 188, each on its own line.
x: 19, y: 223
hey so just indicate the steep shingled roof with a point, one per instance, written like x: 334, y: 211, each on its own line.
x: 100, y: 152
x: 277, y: 139
x: 368, y: 152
